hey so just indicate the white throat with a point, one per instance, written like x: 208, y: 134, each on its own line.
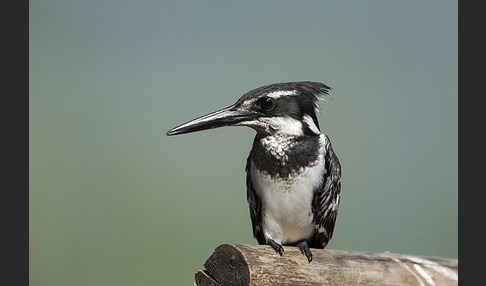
x: 286, y: 126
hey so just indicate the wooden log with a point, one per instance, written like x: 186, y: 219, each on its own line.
x: 237, y: 264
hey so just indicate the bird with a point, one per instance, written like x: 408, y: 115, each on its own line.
x: 293, y: 175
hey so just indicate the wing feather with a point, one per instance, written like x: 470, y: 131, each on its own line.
x: 325, y: 202
x: 254, y: 204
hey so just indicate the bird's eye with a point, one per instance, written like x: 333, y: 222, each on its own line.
x: 266, y: 103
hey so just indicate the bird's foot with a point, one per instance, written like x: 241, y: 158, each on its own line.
x: 276, y: 246
x: 304, y: 248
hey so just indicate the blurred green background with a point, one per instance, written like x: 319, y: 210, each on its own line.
x: 113, y: 201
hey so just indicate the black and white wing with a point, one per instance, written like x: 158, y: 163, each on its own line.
x: 255, y: 205
x: 325, y: 202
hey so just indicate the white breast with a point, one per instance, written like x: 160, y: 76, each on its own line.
x: 287, y: 204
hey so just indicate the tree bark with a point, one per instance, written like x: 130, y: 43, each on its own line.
x: 237, y: 264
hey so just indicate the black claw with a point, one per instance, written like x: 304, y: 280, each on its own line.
x: 304, y: 249
x: 309, y: 256
x: 277, y: 247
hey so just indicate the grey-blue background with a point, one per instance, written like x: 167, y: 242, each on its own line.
x: 113, y: 201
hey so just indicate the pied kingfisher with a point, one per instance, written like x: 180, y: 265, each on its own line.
x: 293, y: 176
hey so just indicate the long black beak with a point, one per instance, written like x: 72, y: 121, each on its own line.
x: 227, y: 116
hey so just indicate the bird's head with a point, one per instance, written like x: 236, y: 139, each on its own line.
x: 281, y: 108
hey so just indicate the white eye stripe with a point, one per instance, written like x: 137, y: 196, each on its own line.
x: 249, y: 102
x: 279, y: 93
